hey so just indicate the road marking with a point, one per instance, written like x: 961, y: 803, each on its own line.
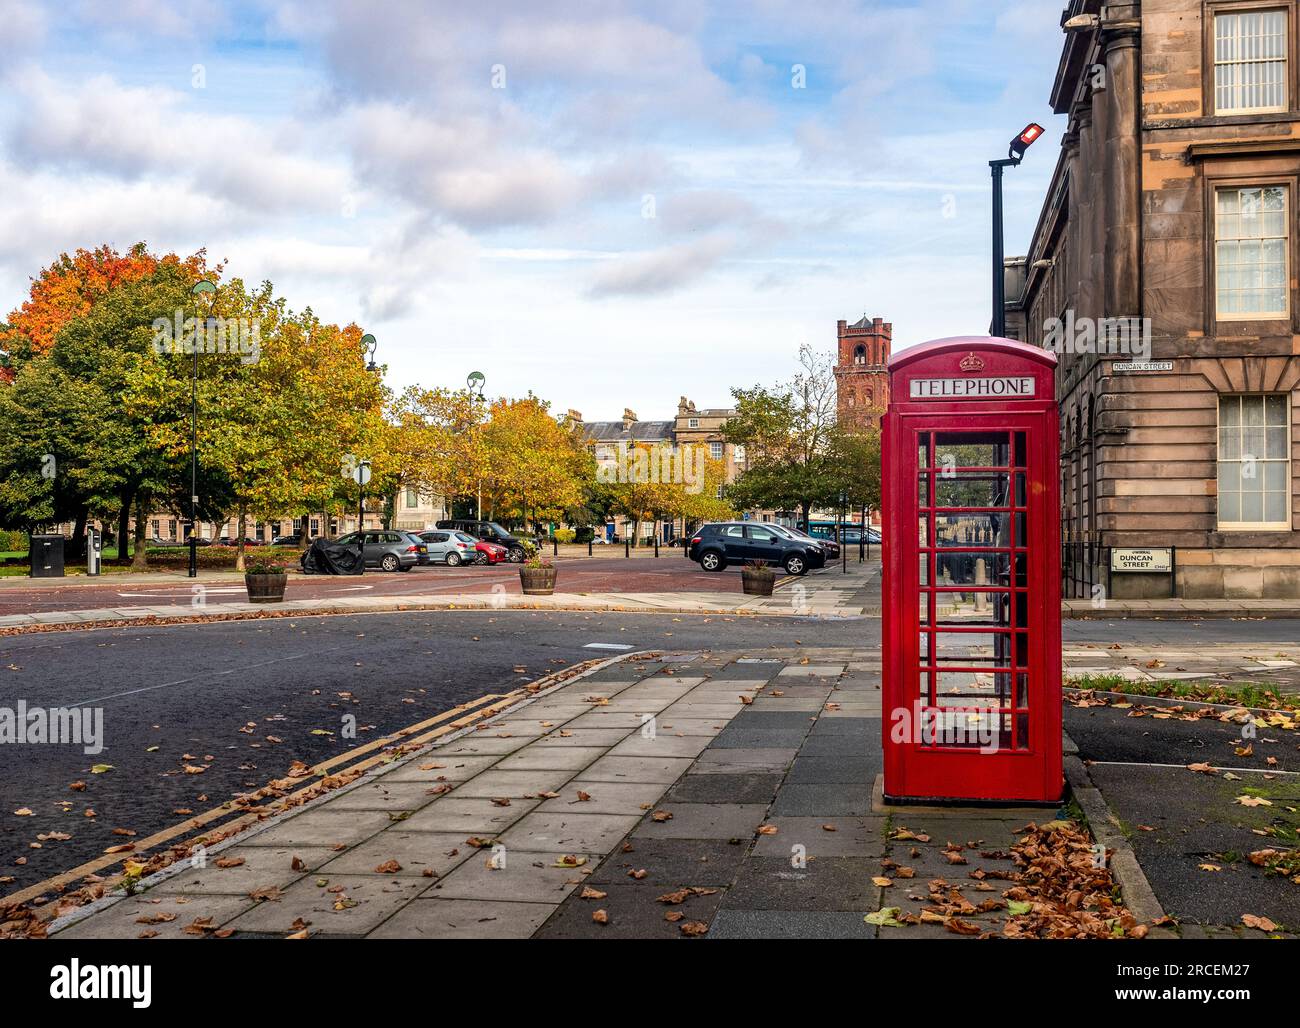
x: 1183, y: 767
x: 606, y: 646
x: 185, y: 590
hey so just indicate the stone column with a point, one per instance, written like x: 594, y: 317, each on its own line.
x: 1123, y: 190
x: 1094, y: 297
x: 1077, y: 143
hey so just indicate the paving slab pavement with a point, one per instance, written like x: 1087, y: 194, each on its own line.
x: 671, y: 791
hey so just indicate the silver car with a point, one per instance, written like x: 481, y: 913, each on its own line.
x: 449, y: 547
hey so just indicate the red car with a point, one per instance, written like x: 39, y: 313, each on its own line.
x: 489, y: 553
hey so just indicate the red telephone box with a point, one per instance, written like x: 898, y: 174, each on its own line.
x: 972, y: 601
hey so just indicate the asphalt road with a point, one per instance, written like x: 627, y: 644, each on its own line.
x: 1190, y: 831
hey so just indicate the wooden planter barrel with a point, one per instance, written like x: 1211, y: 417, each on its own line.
x: 757, y: 581
x: 537, y: 581
x: 265, y: 588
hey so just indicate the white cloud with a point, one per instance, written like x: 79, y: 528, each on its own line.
x: 134, y: 132
x: 664, y: 270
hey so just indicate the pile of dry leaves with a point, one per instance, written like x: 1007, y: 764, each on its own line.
x: 1068, y: 895
x: 1057, y: 891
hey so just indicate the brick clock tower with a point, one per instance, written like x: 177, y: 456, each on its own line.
x: 861, y: 382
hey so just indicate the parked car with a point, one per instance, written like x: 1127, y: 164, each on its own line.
x: 681, y: 540
x: 489, y: 553
x: 449, y: 547
x: 491, y: 532
x: 600, y: 540
x: 391, y: 551
x: 227, y: 540
x: 717, y: 545
x: 829, y: 547
x: 290, y: 540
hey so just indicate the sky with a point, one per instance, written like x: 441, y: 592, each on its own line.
x: 608, y: 203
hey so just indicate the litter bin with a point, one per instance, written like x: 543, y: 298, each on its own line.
x: 47, y: 556
x: 94, y: 551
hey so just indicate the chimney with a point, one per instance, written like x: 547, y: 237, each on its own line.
x: 574, y: 416
x: 629, y: 419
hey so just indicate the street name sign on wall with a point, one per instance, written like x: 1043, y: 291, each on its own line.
x: 1159, y: 560
x: 1142, y: 366
x: 1020, y: 388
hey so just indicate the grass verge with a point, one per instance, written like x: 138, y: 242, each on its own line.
x: 1261, y: 695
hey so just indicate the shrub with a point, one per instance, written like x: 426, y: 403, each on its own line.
x: 264, y: 566
x: 565, y: 535
x: 14, y: 540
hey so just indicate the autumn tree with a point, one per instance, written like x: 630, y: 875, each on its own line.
x: 71, y: 286
x: 529, y: 464
x: 278, y: 414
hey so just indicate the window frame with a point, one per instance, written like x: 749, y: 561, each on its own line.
x: 1247, y: 323
x: 1216, y: 8
x: 1254, y: 526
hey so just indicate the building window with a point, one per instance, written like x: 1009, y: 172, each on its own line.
x: 1250, y: 255
x: 412, y: 497
x: 1254, y: 462
x: 715, y: 450
x: 738, y: 451
x: 1250, y: 62
x: 860, y: 355
x: 692, y: 422
x: 718, y: 492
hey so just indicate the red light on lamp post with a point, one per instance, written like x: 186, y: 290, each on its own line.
x: 1025, y: 140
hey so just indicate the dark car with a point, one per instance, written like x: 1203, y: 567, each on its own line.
x: 390, y: 550
x: 491, y: 532
x: 289, y: 540
x: 829, y: 547
x: 733, y: 542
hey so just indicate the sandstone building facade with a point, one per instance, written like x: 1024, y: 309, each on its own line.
x: 1174, y: 199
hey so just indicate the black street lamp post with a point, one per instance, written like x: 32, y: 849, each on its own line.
x: 201, y: 288
x: 368, y: 347
x: 1015, y: 155
x: 475, y: 383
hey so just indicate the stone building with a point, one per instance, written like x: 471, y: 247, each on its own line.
x: 861, y: 381
x: 689, y: 427
x: 1162, y: 270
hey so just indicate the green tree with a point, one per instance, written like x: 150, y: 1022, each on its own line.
x: 786, y: 431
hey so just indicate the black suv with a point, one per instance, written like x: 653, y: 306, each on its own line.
x: 490, y: 531
x: 734, y: 542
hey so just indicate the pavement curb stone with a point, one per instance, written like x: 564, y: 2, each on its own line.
x: 1138, y: 895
